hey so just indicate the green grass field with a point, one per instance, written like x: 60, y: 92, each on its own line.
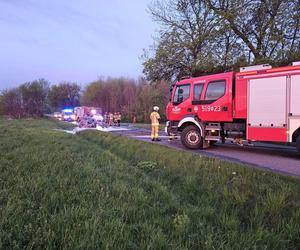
x: 98, y: 191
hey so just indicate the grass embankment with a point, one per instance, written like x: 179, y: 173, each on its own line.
x: 95, y: 190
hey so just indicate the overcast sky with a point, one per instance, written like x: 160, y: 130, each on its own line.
x: 72, y: 40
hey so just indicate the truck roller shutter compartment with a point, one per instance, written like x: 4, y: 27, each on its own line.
x: 267, y: 109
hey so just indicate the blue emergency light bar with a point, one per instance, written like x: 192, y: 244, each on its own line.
x: 67, y: 110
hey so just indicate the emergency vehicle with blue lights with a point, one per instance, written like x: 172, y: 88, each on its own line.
x: 260, y: 103
x: 67, y: 115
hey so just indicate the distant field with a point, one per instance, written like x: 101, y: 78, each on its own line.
x: 95, y: 190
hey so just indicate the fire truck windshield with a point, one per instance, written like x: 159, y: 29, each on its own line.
x: 182, y: 93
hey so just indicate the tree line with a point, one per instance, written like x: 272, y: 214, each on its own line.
x: 198, y: 37
x: 128, y: 96
x: 34, y: 99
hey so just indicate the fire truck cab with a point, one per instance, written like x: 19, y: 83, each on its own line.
x: 260, y: 103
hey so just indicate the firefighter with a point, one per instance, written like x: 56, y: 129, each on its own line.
x: 105, y: 120
x: 116, y: 119
x: 154, y: 117
x: 134, y: 119
x: 119, y: 119
x: 111, y: 119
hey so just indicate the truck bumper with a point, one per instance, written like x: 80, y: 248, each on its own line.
x: 171, y: 127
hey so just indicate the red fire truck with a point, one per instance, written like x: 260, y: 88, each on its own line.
x: 260, y: 103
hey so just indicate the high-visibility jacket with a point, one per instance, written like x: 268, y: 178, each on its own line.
x: 154, y: 117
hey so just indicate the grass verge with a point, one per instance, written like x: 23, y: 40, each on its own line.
x: 147, y: 126
x: 95, y: 190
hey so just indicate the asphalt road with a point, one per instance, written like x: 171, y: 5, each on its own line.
x: 280, y: 159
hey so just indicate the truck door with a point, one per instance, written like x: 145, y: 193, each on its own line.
x: 181, y: 102
x: 216, y: 100
x: 267, y: 109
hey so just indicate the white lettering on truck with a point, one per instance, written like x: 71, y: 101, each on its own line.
x: 211, y: 108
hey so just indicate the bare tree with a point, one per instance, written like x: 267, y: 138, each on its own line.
x: 184, y: 43
x: 266, y: 27
x: 198, y: 37
x: 11, y: 103
x: 34, y: 97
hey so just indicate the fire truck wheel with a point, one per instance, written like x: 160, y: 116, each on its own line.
x: 191, y: 137
x: 298, y: 144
